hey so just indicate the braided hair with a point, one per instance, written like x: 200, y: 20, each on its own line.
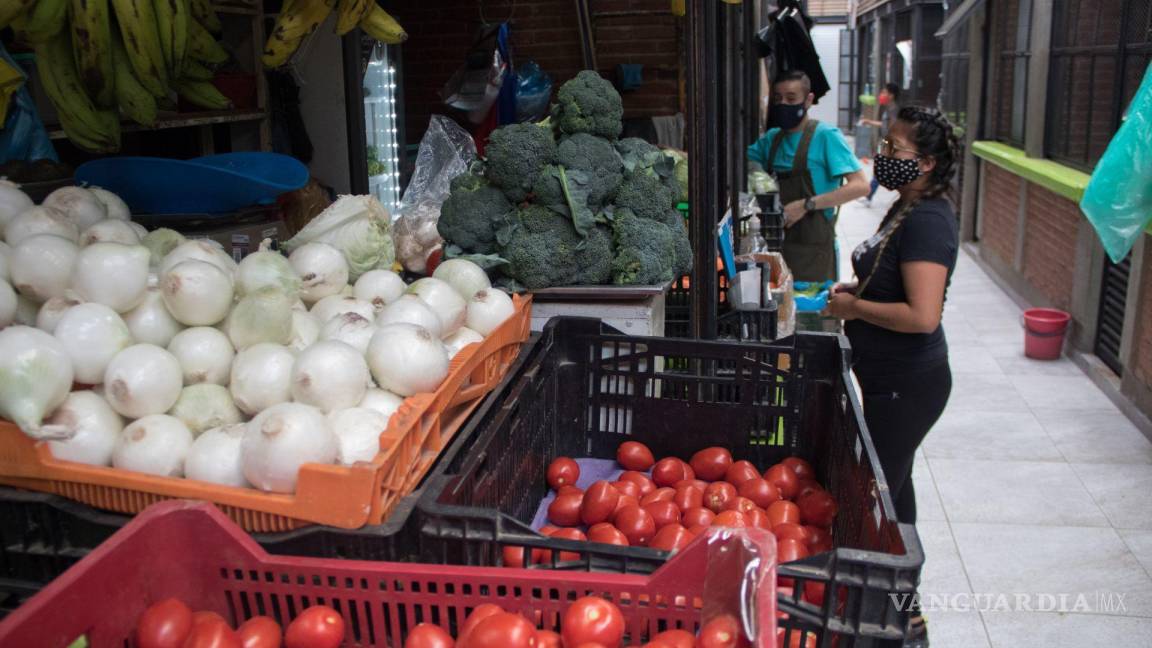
x: 934, y: 137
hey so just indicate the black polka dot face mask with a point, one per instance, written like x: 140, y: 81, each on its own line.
x: 893, y: 173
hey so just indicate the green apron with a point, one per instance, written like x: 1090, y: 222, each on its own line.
x: 809, y: 245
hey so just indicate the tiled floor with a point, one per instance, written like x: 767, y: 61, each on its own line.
x: 1032, y: 486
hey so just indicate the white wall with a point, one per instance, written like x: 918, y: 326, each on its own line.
x: 321, y: 79
x: 826, y: 38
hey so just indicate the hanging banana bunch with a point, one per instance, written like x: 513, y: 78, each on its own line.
x: 299, y: 18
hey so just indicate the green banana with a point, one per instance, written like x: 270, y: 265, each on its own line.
x: 12, y: 9
x: 88, y: 127
x: 137, y: 20
x: 197, y: 71
x: 183, y: 16
x: 172, y: 25
x: 204, y: 14
x: 202, y: 94
x: 203, y: 45
x: 135, y: 102
x: 351, y: 13
x: 294, y: 23
x: 92, y: 47
x: 379, y: 24
x: 46, y: 19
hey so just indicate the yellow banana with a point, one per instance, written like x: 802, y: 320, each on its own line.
x: 203, y: 46
x: 202, y: 94
x: 92, y: 47
x: 46, y: 19
x: 182, y: 15
x: 351, y: 13
x: 12, y: 9
x: 379, y: 24
x: 204, y: 14
x: 295, y: 22
x: 135, y: 102
x: 89, y: 128
x: 196, y: 70
x: 137, y: 20
x: 172, y: 27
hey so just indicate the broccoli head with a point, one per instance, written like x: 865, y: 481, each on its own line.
x: 645, y: 250
x: 682, y: 264
x: 546, y: 251
x: 472, y: 213
x: 546, y: 189
x: 589, y: 104
x: 645, y: 195
x: 637, y: 153
x: 597, y: 157
x: 516, y: 153
x: 640, y: 156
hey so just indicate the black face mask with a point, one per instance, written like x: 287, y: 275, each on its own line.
x: 786, y: 116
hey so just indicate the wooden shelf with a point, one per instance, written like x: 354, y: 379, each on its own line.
x: 183, y: 120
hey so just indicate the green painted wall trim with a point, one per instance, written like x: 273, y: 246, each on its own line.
x: 1055, y: 177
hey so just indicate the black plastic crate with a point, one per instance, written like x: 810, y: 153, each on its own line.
x: 589, y: 388
x: 747, y: 325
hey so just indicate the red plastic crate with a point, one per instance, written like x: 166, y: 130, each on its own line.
x: 192, y: 551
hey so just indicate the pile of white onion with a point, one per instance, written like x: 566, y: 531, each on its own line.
x: 191, y: 365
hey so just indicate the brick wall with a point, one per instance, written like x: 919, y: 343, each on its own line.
x: 1000, y: 212
x: 1050, y: 244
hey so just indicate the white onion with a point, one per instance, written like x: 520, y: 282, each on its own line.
x: 380, y: 287
x: 143, y: 379
x: 13, y: 202
x: 197, y: 293
x: 110, y: 230
x: 5, y: 255
x: 53, y: 309
x: 261, y: 377
x: 215, y: 457
x: 262, y: 316
x: 112, y: 274
x: 300, y: 306
x: 335, y: 305
x: 92, y: 429
x: 443, y: 299
x: 42, y: 266
x: 322, y: 269
x: 155, y: 444
x: 357, y: 431
x: 116, y: 208
x: 280, y: 440
x: 205, y: 250
x: 382, y: 401
x: 266, y: 269
x: 78, y: 204
x: 205, y: 406
x: 40, y: 220
x: 406, y: 359
x: 205, y: 355
x: 160, y: 242
x: 150, y: 322
x: 410, y: 309
x: 92, y: 334
x: 140, y: 231
x: 35, y: 378
x: 488, y: 310
x: 330, y: 375
x: 8, y: 304
x: 465, y: 277
x: 460, y: 339
x: 351, y: 329
x: 26, y: 311
x: 305, y: 330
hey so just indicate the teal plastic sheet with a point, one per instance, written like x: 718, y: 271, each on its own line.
x: 1118, y: 199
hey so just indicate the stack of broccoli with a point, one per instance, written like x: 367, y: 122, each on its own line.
x: 565, y: 202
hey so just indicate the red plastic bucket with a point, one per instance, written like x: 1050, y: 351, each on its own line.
x: 1044, y: 332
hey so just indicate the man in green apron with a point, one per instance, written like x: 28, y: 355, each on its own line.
x: 816, y: 171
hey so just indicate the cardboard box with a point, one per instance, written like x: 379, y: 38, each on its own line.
x: 242, y: 239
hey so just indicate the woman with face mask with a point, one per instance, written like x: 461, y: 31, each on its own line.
x: 892, y: 316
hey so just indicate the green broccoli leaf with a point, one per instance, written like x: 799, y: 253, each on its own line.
x: 504, y: 234
x: 575, y: 185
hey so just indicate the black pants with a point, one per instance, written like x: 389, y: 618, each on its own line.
x: 900, y: 409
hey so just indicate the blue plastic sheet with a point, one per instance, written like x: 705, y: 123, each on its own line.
x: 23, y: 136
x: 1118, y: 199
x: 533, y: 92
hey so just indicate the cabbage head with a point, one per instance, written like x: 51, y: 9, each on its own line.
x: 358, y: 226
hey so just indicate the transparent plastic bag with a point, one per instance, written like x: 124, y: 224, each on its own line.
x: 475, y: 86
x: 740, y: 586
x: 1118, y: 199
x: 533, y: 92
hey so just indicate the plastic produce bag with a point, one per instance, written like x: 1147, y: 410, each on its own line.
x: 533, y: 92
x: 1118, y: 199
x: 475, y: 86
x: 739, y: 561
x: 22, y: 134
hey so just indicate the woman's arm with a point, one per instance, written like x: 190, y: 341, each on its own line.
x: 924, y: 283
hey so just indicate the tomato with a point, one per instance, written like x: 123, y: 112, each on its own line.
x: 676, y: 638
x: 760, y: 491
x: 697, y: 516
x: 790, y: 530
x: 670, y: 470
x: 818, y: 508
x: 317, y: 627
x: 662, y: 494
x: 759, y: 519
x: 626, y: 488
x: 818, y: 536
x: 734, y: 519
x: 783, y: 511
x: 569, y: 534
x: 711, y: 464
x: 428, y: 635
x: 432, y: 261
x: 740, y: 472
x: 689, y: 471
x: 262, y: 632
x: 698, y: 529
x: 624, y: 502
x: 672, y: 537
x: 663, y: 513
x: 721, y: 632
x: 633, y: 455
x: 688, y: 497
x: 785, y: 479
x: 599, y: 503
x: 564, y: 490
x: 216, y: 633
x: 644, y: 482
x: 164, y: 624
x: 563, y: 471
x: 547, y: 639
x: 503, y: 630
x: 718, y: 495
x: 565, y: 509
x: 806, y: 486
x: 789, y: 549
x: 637, y: 525
x: 592, y: 619
x: 513, y: 556
x: 607, y: 534
x: 699, y: 484
x: 814, y: 592
x: 205, y: 615
x: 482, y: 611
x: 742, y: 504
x: 802, y: 468
x: 821, y: 546
x: 794, y: 640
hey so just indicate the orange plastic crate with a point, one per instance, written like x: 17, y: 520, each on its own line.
x: 348, y: 497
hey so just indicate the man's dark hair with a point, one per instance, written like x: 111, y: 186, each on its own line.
x: 893, y: 90
x: 795, y: 75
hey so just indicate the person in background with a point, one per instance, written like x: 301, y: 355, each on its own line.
x: 889, y: 105
x: 892, y: 316
x: 816, y: 171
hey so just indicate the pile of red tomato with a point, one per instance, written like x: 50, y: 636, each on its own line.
x: 172, y: 624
